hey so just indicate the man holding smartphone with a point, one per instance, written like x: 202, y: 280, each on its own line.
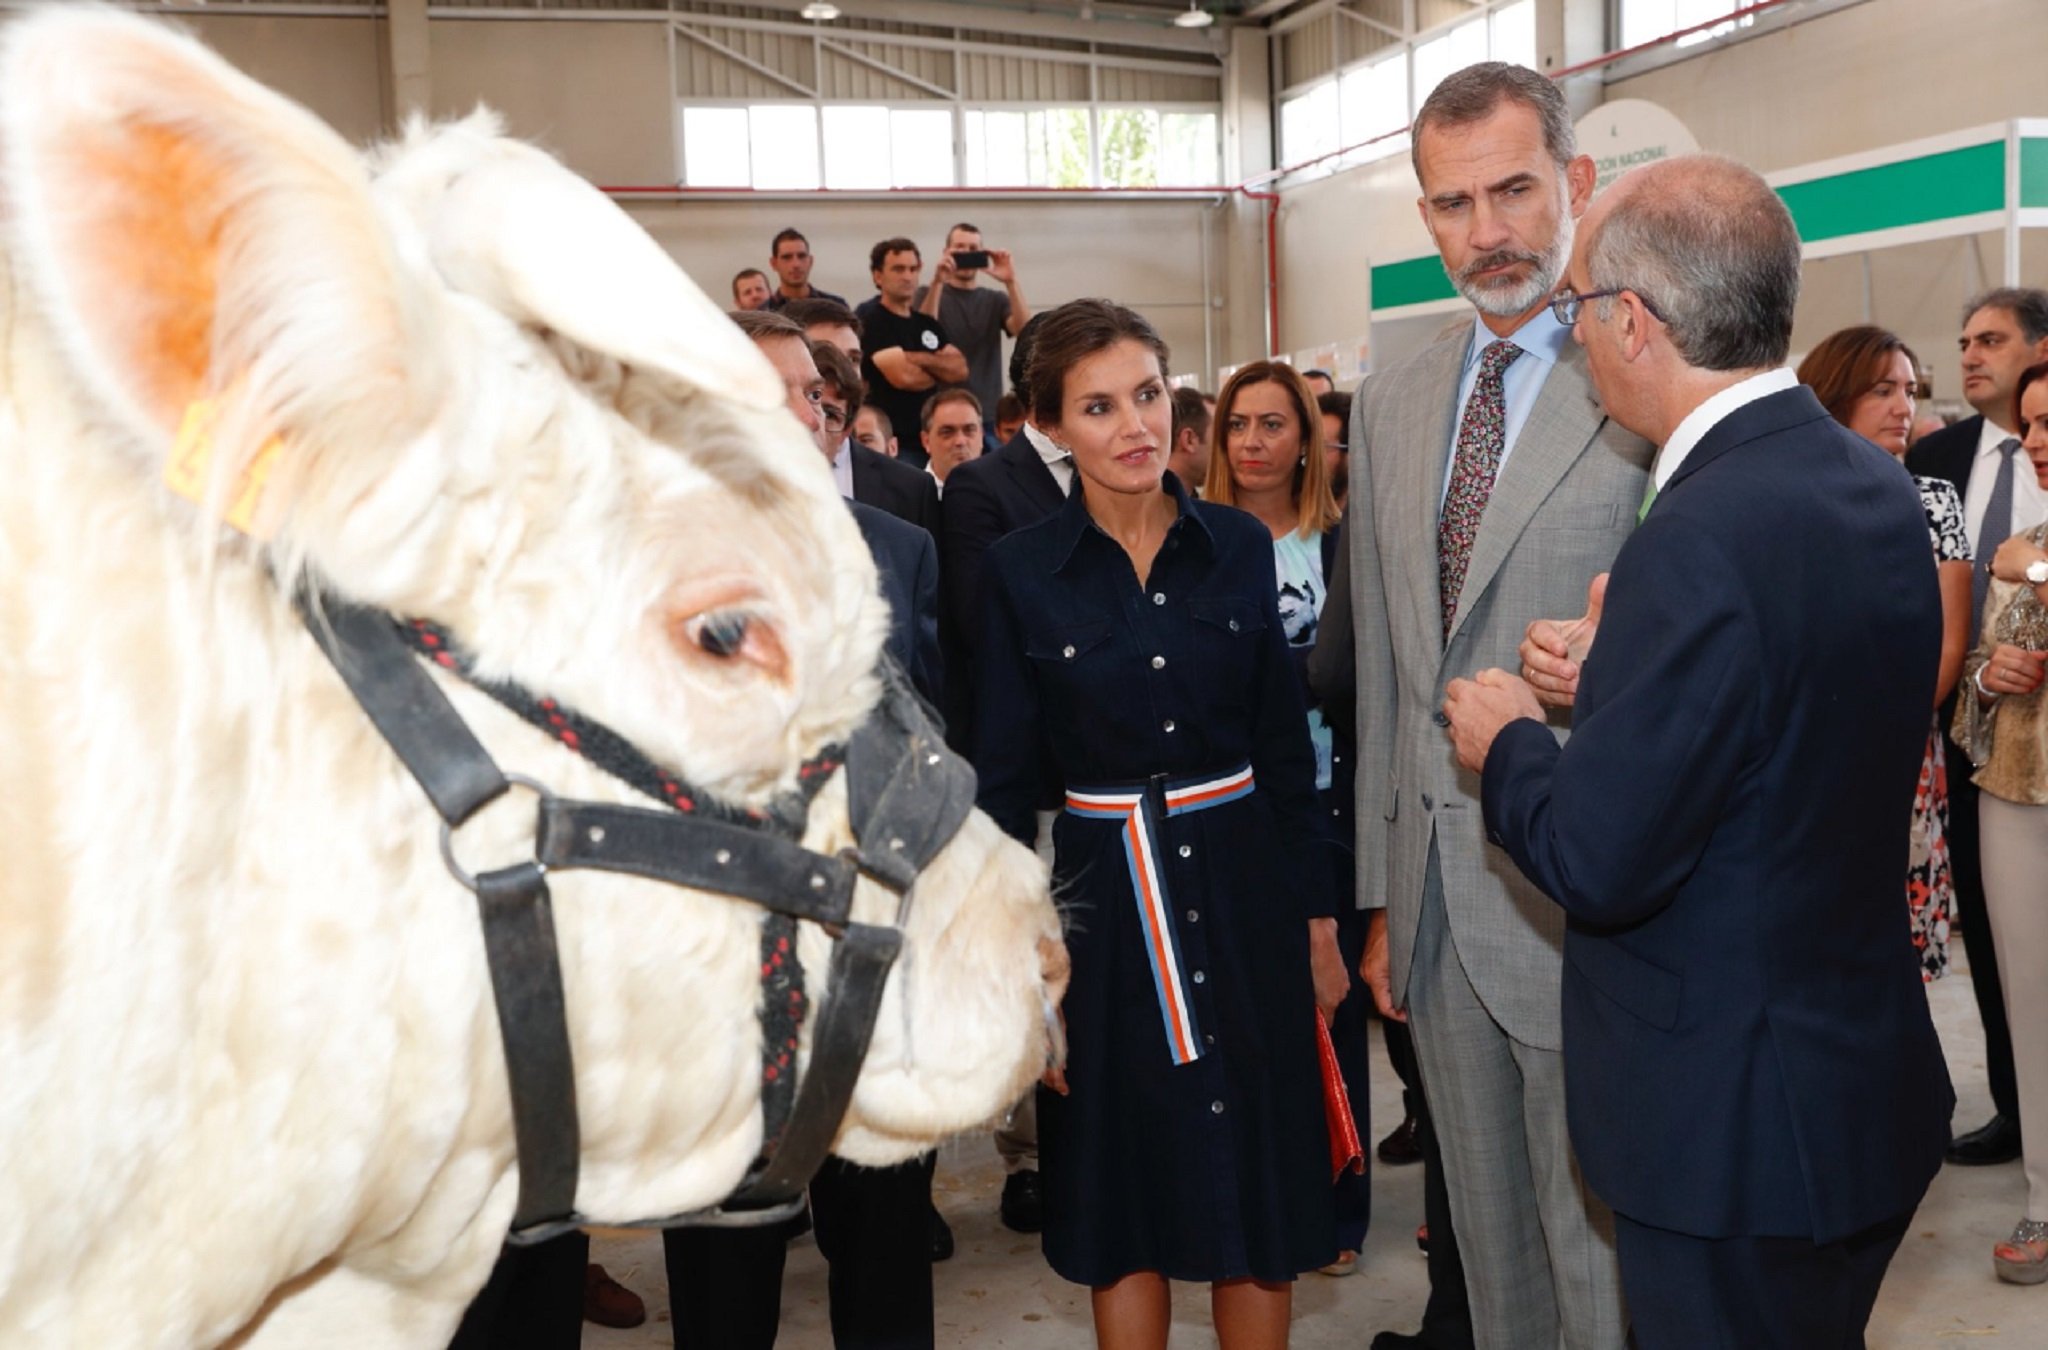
x: 974, y: 316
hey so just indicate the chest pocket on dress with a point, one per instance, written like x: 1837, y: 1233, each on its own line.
x: 1228, y: 634
x: 1067, y: 656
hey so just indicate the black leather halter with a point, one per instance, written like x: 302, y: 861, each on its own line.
x: 907, y: 795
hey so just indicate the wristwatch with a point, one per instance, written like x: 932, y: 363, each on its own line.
x: 2037, y: 572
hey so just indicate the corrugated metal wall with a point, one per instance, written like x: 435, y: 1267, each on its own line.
x: 919, y: 72
x: 1308, y: 52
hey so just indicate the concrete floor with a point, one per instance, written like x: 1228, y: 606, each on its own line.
x: 997, y: 1293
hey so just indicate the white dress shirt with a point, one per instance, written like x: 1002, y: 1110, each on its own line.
x: 1712, y: 413
x: 1542, y: 340
x: 1060, y: 462
x: 2029, y: 500
x: 842, y: 468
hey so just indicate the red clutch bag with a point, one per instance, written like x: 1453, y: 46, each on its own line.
x: 1346, y: 1154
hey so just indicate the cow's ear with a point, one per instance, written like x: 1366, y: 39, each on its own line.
x: 507, y: 224
x: 194, y: 241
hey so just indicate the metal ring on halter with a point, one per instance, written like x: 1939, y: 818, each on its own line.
x: 468, y: 880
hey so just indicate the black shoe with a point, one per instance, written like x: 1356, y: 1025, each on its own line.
x: 1399, y: 1148
x: 1396, y: 1340
x: 1023, y: 1210
x: 942, y: 1237
x: 1996, y: 1141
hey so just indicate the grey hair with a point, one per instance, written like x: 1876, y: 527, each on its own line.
x: 2028, y: 306
x: 1470, y: 95
x: 1712, y: 249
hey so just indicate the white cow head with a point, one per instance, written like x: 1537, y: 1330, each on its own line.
x: 253, y: 1070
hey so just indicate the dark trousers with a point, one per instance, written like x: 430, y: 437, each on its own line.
x: 1351, y: 1038
x: 874, y: 1230
x: 1447, y: 1317
x: 1752, y: 1293
x: 1975, y: 921
x: 534, y: 1300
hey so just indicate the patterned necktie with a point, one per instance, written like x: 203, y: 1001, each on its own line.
x: 1992, y: 532
x: 1481, y: 438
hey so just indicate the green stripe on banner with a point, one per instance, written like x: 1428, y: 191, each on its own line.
x: 1911, y: 192
x: 2033, y: 172
x: 1414, y: 282
x: 1915, y: 191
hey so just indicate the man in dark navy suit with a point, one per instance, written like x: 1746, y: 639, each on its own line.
x: 987, y: 497
x: 873, y: 1224
x: 2004, y: 332
x: 1752, y: 1076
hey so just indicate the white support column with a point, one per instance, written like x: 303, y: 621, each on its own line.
x: 407, y: 66
x: 2012, y: 204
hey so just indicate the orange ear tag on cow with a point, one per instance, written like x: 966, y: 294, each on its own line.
x: 185, y: 472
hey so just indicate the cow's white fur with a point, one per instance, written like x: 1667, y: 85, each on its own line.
x: 250, y: 1080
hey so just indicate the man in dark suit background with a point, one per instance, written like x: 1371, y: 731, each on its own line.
x: 873, y: 1224
x: 986, y: 498
x: 2004, y: 332
x: 1753, y: 1079
x: 863, y: 475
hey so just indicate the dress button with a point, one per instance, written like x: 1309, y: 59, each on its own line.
x: 1158, y: 663
x: 1208, y: 1038
x: 1187, y: 851
x: 1194, y: 916
x: 1439, y: 718
x: 1068, y: 651
x: 1233, y: 625
x: 1336, y: 810
x: 1200, y: 978
x: 1167, y: 725
x: 1215, y: 1108
x: 1158, y: 597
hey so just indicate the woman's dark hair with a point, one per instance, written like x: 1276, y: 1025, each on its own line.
x: 2037, y: 371
x: 1847, y: 363
x: 1071, y: 334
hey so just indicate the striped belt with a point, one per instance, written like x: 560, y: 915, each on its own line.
x: 1139, y: 806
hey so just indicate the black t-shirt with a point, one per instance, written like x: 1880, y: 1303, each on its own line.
x: 881, y: 330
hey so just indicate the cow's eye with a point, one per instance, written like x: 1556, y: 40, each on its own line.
x: 723, y: 634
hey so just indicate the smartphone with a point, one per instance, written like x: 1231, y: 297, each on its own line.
x: 968, y: 259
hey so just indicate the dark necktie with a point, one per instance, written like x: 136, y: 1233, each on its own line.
x: 1992, y: 532
x: 1482, y: 436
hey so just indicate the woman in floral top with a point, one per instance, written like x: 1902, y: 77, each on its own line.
x: 1868, y: 380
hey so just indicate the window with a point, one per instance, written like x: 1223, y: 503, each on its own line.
x: 996, y: 155
x: 1514, y: 33
x: 784, y: 144
x: 1308, y: 124
x: 1048, y: 147
x: 1647, y: 20
x: 875, y: 147
x: 1187, y: 150
x: 715, y: 147
x: 1374, y: 98
x: 921, y: 147
x: 856, y: 147
x: 1454, y: 50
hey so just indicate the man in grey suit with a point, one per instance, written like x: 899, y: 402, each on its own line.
x: 1488, y: 489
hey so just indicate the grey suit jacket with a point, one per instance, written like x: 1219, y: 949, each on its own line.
x: 1565, y: 500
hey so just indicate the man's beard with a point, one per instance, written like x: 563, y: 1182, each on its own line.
x: 1511, y: 300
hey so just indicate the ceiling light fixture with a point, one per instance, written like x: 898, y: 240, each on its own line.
x: 820, y: 11
x: 1192, y: 17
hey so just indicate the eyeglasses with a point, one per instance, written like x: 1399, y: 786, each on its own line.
x: 1567, y: 304
x: 833, y: 414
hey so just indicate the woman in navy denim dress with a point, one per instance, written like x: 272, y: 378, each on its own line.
x: 1133, y: 641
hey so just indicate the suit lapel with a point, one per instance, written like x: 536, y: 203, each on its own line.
x: 1040, y: 488
x: 1416, y: 459
x: 1562, y: 421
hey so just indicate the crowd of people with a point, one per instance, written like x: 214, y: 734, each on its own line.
x: 1571, y: 698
